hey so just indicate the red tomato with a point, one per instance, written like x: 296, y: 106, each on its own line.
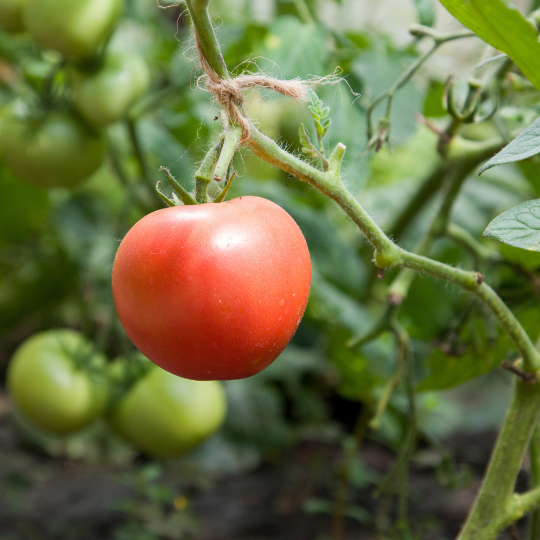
x: 213, y: 291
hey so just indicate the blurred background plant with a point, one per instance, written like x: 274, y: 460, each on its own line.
x: 292, y: 438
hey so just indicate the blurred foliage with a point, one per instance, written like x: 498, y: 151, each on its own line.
x: 57, y: 247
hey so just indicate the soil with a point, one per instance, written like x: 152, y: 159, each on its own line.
x: 48, y: 498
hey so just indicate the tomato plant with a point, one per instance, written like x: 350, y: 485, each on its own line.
x: 103, y: 96
x: 51, y: 149
x: 11, y: 15
x: 165, y: 415
x: 74, y: 28
x: 56, y: 381
x: 213, y: 291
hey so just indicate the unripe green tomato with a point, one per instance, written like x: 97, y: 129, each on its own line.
x: 11, y: 15
x: 72, y: 27
x: 52, y: 150
x: 56, y: 381
x: 165, y: 416
x: 104, y: 96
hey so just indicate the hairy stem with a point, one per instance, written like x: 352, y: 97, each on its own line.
x: 405, y: 77
x: 198, y: 10
x: 496, y: 507
x: 230, y: 144
x: 534, y: 455
x: 204, y: 173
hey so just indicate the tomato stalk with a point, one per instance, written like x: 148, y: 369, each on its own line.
x: 230, y: 144
x: 203, y: 176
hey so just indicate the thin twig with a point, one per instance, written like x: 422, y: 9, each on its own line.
x: 340, y: 505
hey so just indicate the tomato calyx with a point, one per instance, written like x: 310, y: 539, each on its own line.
x: 184, y: 197
x: 216, y: 166
x: 124, y: 373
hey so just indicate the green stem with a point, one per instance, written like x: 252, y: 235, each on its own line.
x: 399, y: 289
x: 303, y: 11
x: 342, y: 491
x: 465, y: 155
x: 464, y: 238
x: 230, y: 144
x: 137, y: 149
x: 423, y: 195
x: 496, y: 507
x: 412, y: 423
x: 534, y: 455
x: 400, y: 286
x: 389, y: 254
x: 204, y: 173
x: 327, y: 183
x: 405, y: 77
x: 143, y: 199
x: 401, y: 466
x: 382, y: 404
x: 198, y: 10
x: 154, y: 100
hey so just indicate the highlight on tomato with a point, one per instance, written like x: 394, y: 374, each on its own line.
x: 105, y: 94
x: 165, y: 416
x: 56, y: 380
x: 50, y: 148
x: 76, y: 28
x: 213, y: 291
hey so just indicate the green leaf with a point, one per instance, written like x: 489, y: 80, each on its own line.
x: 298, y: 49
x: 518, y: 227
x: 525, y: 145
x: 307, y: 145
x: 529, y: 260
x: 316, y: 105
x: 318, y: 126
x: 426, y: 11
x: 304, y: 136
x: 501, y: 24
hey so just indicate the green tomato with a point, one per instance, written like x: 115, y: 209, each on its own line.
x: 74, y: 27
x: 104, y: 96
x: 52, y: 150
x: 56, y: 381
x: 11, y: 15
x: 164, y: 415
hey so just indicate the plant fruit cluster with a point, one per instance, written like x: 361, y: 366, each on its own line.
x: 56, y: 138
x: 60, y: 384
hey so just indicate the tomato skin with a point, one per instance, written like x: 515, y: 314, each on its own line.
x: 56, y: 150
x: 105, y: 96
x: 165, y: 416
x: 11, y: 15
x: 74, y: 28
x: 47, y: 386
x: 214, y: 291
